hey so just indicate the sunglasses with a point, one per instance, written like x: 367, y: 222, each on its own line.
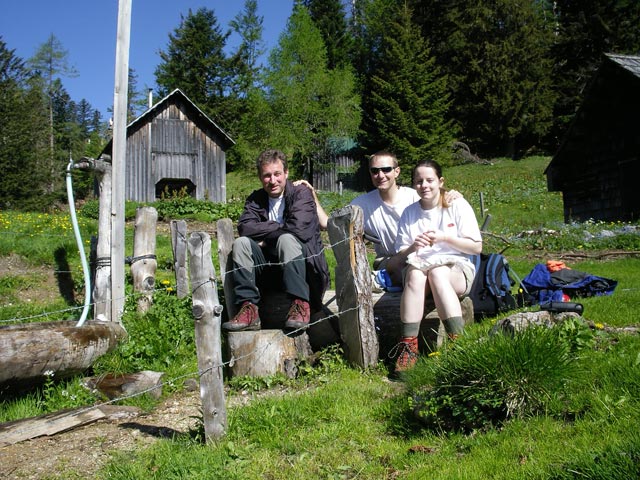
x: 375, y: 170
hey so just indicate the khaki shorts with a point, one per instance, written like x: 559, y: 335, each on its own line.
x: 466, y: 268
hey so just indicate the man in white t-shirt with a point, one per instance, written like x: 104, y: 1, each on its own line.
x: 382, y: 209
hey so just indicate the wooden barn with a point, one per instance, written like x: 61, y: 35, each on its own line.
x: 597, y: 166
x: 174, y: 145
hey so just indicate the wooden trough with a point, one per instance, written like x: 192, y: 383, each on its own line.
x: 28, y: 352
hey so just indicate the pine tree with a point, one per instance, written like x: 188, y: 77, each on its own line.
x: 309, y: 104
x: 22, y: 139
x: 195, y: 62
x: 330, y: 18
x: 408, y: 103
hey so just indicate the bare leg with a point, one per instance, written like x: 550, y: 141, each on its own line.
x: 412, y: 301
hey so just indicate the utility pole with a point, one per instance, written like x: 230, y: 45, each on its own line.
x: 119, y: 159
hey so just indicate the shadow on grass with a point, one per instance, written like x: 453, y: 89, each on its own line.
x: 63, y: 276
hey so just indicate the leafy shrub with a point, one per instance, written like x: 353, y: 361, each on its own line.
x: 91, y: 209
x: 203, y: 210
x: 477, y: 382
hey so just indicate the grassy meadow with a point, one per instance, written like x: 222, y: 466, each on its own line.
x: 556, y: 403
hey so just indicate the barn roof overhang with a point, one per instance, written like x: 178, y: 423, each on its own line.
x: 197, y: 115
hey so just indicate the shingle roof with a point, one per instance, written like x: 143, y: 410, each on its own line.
x: 628, y: 62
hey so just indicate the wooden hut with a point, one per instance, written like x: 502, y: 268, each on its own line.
x: 174, y: 146
x: 598, y: 163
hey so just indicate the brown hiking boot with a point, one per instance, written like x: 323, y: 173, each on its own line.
x: 246, y: 319
x: 407, y: 352
x: 299, y: 314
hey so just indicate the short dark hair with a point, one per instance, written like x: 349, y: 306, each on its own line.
x: 384, y: 153
x: 271, y: 156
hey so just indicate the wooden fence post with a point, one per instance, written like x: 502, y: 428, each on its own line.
x: 225, y: 235
x: 353, y: 286
x: 179, y: 249
x: 206, y: 312
x: 143, y: 264
x: 101, y: 247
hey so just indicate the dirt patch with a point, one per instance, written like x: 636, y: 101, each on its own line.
x: 39, y: 283
x: 81, y: 452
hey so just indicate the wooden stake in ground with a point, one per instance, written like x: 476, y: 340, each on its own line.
x: 179, y: 249
x: 143, y: 263
x: 206, y: 313
x: 353, y: 286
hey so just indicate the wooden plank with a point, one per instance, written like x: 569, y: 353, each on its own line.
x: 50, y: 424
x: 353, y: 286
x: 225, y: 235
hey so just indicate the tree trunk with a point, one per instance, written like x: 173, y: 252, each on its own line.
x: 30, y: 351
x: 102, y: 281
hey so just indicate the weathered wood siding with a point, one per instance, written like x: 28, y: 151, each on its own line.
x: 598, y: 164
x: 342, y: 168
x: 175, y: 142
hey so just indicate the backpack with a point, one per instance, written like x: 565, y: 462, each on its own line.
x: 491, y: 288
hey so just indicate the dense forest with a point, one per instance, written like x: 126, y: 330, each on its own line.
x: 504, y: 77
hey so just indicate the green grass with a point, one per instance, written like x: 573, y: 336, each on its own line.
x: 335, y: 422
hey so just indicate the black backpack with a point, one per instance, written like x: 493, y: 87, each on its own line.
x: 491, y: 289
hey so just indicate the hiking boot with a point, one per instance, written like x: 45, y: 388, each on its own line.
x: 407, y: 352
x: 246, y: 319
x: 299, y: 314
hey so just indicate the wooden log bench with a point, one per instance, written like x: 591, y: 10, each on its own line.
x: 366, y: 323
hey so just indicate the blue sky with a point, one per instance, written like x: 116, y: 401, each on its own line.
x: 87, y: 30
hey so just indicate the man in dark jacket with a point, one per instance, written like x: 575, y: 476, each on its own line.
x: 279, y: 225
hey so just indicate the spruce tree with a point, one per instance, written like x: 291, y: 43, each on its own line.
x: 22, y: 139
x: 497, y: 57
x: 195, y: 62
x: 330, y: 18
x: 584, y: 32
x: 408, y: 103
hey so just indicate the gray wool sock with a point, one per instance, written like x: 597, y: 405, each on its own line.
x: 410, y: 329
x: 454, y: 325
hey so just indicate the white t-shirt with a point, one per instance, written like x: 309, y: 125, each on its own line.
x: 457, y: 220
x: 381, y: 219
x: 276, y: 209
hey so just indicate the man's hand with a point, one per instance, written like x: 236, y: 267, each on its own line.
x: 451, y: 195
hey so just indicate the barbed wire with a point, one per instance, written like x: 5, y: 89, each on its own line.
x: 18, y: 320
x: 197, y: 373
